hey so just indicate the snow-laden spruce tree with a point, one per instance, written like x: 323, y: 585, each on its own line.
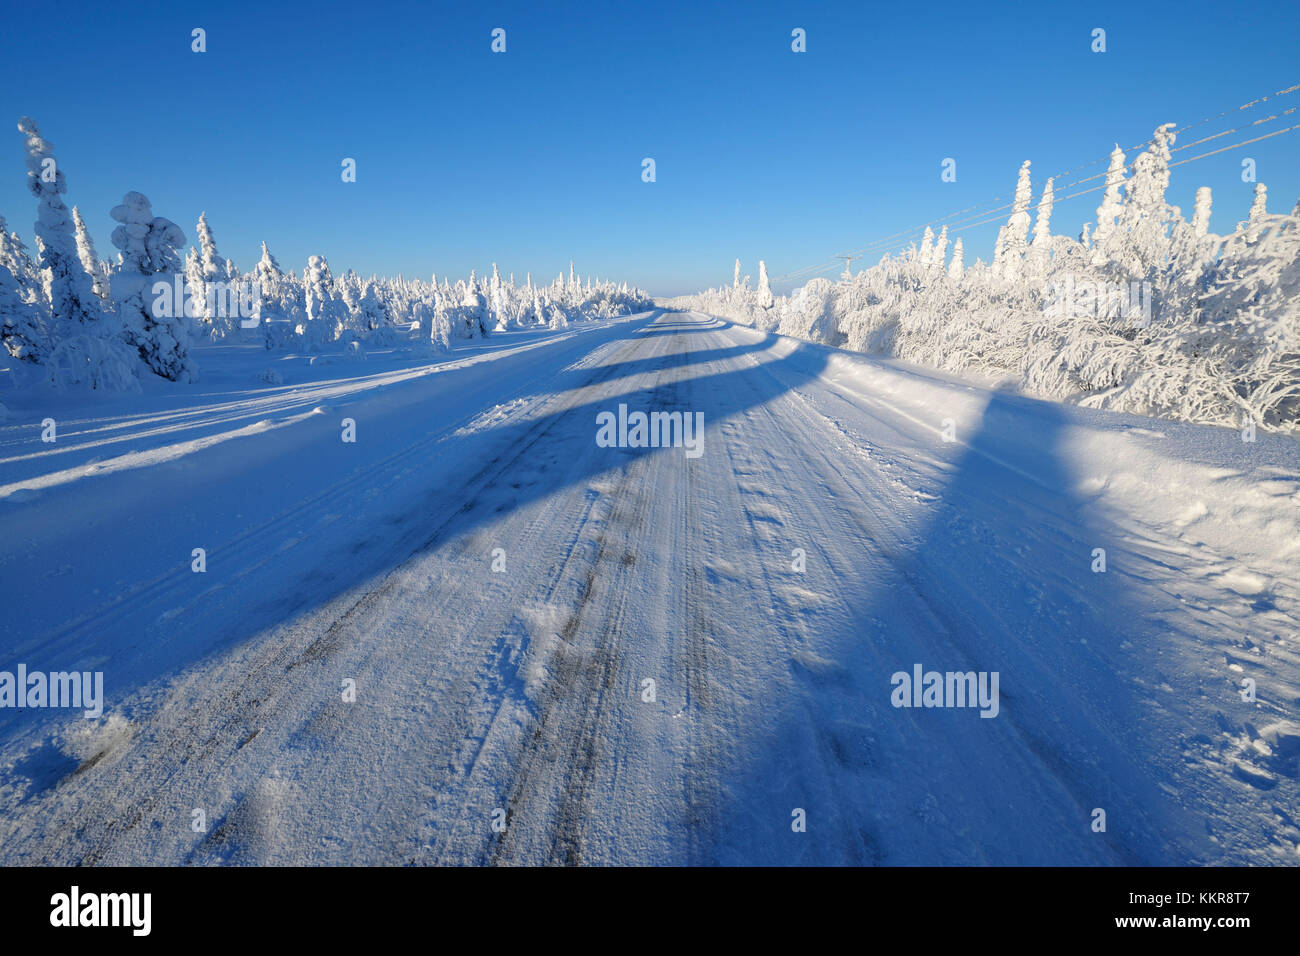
x: 764, y: 297
x: 1043, y: 224
x: 371, y: 309
x: 73, y: 303
x: 559, y: 318
x: 153, y: 321
x: 473, y: 308
x: 1013, y: 237
x: 497, y: 302
x: 293, y: 305
x: 924, y: 256
x: 274, y: 291
x: 1258, y: 211
x: 1139, y: 245
x: 84, y: 345
x: 194, y: 289
x: 214, y: 281
x: 347, y: 289
x: 1201, y: 212
x: 1038, y: 255
x: 23, y: 316
x: 14, y: 255
x: 98, y: 271
x: 376, y: 325
x: 269, y: 275
x: 955, y: 267
x: 431, y: 323
x: 19, y: 323
x: 1111, y: 204
x: 326, y: 316
x: 940, y: 254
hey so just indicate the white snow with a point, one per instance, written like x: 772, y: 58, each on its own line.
x: 524, y: 691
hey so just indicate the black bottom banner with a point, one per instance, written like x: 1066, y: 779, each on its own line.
x: 340, y: 905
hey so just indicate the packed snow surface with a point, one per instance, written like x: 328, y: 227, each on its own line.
x: 361, y: 676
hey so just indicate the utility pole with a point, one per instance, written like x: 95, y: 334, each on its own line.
x: 847, y: 259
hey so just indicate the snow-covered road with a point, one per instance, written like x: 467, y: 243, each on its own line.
x: 827, y: 538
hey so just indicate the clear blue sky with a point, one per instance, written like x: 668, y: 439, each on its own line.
x: 533, y: 157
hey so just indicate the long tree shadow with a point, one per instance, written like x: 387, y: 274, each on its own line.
x: 994, y: 581
x: 580, y: 378
x: 513, y: 465
x: 1001, y: 578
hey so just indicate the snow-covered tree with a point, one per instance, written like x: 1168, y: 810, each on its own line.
x: 925, y: 255
x: 19, y: 324
x: 474, y: 307
x: 1139, y: 245
x: 1043, y: 224
x: 1111, y: 205
x: 15, y: 256
x: 23, y: 305
x: 195, y: 287
x: 1012, y: 237
x: 940, y: 254
x: 497, y: 302
x: 214, y: 281
x: 764, y: 298
x: 1201, y: 212
x: 1258, y: 210
x: 154, y: 323
x: 275, y: 294
x: 347, y: 290
x: 269, y: 274
x: 89, y: 260
x: 73, y: 302
x: 434, y: 325
x: 374, y: 317
x: 955, y: 267
x: 325, y: 314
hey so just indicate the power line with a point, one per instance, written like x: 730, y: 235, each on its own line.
x: 1127, y: 168
x: 881, y: 244
x: 887, y: 243
x: 981, y: 209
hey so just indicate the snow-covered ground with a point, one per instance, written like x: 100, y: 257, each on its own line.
x: 503, y: 716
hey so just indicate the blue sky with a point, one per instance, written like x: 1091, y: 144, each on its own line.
x: 533, y: 157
